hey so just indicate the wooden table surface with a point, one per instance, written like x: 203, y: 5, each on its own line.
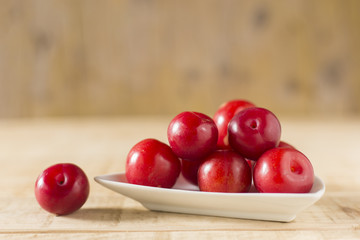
x: 99, y: 146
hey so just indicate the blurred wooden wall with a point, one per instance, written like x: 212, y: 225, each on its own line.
x: 91, y: 57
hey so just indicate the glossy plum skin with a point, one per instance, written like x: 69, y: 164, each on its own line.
x: 62, y: 189
x: 224, y: 114
x: 152, y: 163
x: 285, y: 145
x: 189, y: 170
x: 253, y: 131
x: 283, y: 170
x: 192, y: 135
x: 224, y: 171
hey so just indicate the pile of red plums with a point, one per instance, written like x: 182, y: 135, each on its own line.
x: 239, y: 145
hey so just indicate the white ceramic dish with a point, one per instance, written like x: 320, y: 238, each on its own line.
x: 186, y: 198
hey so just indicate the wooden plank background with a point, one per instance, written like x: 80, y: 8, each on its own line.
x: 90, y: 57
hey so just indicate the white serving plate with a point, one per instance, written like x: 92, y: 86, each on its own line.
x: 185, y: 197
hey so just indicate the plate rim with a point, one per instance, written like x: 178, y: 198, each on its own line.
x: 102, y: 178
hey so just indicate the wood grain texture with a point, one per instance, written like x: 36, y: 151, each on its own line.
x: 108, y: 57
x: 100, y: 146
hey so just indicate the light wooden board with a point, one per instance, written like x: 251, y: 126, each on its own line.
x: 100, y: 146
